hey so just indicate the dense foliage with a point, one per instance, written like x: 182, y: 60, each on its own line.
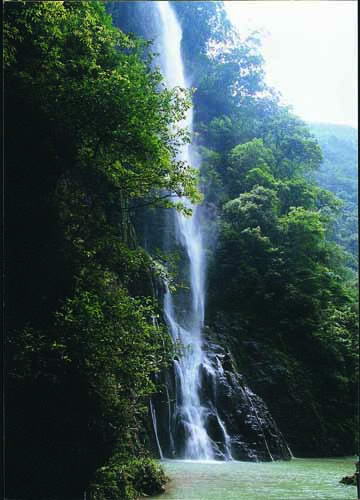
x: 339, y: 174
x: 91, y: 135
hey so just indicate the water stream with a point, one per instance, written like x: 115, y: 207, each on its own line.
x: 188, y: 409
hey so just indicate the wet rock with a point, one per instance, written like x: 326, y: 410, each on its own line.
x: 253, y: 432
x: 236, y: 419
x: 349, y: 480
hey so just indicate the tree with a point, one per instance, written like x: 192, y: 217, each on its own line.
x: 250, y: 164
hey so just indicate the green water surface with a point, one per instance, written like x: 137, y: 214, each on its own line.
x: 299, y: 478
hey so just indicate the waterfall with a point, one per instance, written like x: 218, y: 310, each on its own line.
x: 202, y: 409
x: 154, y: 421
x: 188, y: 409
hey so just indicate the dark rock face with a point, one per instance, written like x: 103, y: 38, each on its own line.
x: 236, y: 416
x: 300, y: 393
x: 253, y: 433
x: 139, y: 18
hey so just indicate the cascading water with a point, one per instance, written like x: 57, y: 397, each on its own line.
x: 189, y: 410
x: 203, y: 409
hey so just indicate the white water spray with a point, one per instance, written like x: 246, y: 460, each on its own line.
x: 154, y: 421
x: 189, y: 410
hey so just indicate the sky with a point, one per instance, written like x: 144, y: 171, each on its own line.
x: 310, y: 52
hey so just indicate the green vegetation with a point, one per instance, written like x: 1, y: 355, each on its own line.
x: 127, y: 480
x: 90, y: 136
x: 339, y: 174
x: 91, y: 141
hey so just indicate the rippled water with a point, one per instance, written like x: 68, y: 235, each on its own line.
x: 299, y: 478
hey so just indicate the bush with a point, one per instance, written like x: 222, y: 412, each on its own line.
x: 127, y: 481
